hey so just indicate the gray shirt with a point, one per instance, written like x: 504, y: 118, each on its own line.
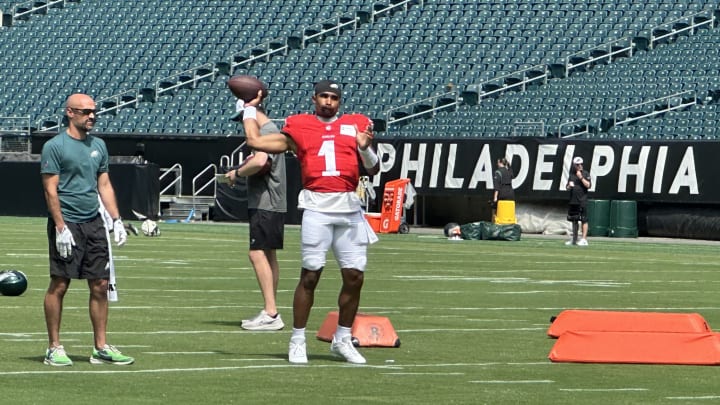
x: 269, y: 192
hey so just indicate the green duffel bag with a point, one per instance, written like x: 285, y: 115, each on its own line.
x: 483, y: 230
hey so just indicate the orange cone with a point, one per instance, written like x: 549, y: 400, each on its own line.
x: 367, y: 330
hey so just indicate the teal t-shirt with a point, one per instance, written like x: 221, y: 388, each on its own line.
x: 78, y: 162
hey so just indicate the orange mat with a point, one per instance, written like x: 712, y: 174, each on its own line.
x: 637, y: 347
x: 368, y: 330
x: 613, y: 321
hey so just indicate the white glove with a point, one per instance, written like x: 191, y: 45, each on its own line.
x: 64, y: 242
x: 248, y: 112
x: 119, y: 231
x: 239, y: 105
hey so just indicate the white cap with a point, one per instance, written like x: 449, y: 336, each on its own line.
x: 577, y: 160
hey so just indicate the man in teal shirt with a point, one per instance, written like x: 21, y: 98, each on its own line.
x: 74, y: 172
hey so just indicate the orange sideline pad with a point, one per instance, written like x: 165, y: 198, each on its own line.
x: 613, y: 321
x: 369, y: 330
x: 637, y: 347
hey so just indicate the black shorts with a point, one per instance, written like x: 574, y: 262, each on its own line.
x: 577, y: 213
x: 90, y: 257
x: 267, y: 229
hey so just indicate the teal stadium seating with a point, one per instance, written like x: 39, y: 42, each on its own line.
x: 399, y: 57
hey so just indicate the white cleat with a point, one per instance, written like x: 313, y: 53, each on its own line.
x: 297, y: 353
x: 345, y: 349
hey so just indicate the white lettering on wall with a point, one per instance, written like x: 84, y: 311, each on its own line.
x: 483, y: 171
x: 450, y: 181
x: 542, y: 166
x: 437, y: 158
x: 602, y: 162
x: 659, y: 170
x: 686, y: 175
x: 628, y: 169
x: 417, y: 165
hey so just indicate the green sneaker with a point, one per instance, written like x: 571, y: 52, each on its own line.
x: 56, y: 356
x: 110, y: 355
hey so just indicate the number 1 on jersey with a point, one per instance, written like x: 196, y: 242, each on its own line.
x: 327, y: 150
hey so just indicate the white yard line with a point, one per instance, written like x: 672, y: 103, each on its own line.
x: 411, y: 373
x: 134, y: 370
x: 602, y: 389
x: 511, y: 381
x: 696, y: 398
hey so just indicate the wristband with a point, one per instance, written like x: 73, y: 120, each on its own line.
x: 368, y: 157
x: 250, y: 112
x: 237, y: 172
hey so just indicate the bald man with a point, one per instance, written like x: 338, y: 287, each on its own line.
x: 74, y: 168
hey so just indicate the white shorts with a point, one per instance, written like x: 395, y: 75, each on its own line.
x: 348, y: 234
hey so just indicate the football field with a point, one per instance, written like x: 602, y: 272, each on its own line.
x: 472, y: 318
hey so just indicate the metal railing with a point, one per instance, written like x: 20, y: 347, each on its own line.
x: 106, y: 105
x: 626, y: 46
x: 229, y: 160
x: 426, y: 106
x: 176, y: 183
x: 186, y: 79
x: 380, y: 8
x: 260, y: 52
x: 117, y: 101
x: 672, y: 102
x: 606, y: 51
x: 581, y: 123
x: 683, y: 24
x: 24, y: 9
x: 15, y: 135
x: 198, y: 187
x: 332, y: 25
x: 528, y: 128
x: 308, y: 33
x: 516, y: 80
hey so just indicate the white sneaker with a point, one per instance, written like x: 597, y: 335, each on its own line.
x: 297, y: 353
x: 582, y: 242
x: 263, y: 321
x: 256, y: 317
x: 569, y: 243
x: 344, y: 348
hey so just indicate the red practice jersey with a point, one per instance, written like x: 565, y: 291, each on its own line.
x: 327, y: 150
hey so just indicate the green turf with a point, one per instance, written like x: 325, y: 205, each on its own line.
x: 472, y: 317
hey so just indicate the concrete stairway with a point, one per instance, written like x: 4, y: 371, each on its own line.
x: 183, y: 208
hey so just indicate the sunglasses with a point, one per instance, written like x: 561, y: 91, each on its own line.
x: 83, y: 111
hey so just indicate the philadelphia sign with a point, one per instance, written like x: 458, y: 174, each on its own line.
x: 674, y: 171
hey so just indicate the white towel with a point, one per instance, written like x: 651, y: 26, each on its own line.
x: 112, y: 286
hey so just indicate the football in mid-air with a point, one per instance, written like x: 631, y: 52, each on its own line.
x: 246, y: 87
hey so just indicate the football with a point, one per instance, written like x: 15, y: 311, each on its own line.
x: 150, y: 228
x: 246, y: 87
x: 12, y: 282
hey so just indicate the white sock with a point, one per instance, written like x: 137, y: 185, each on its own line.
x: 298, y: 334
x: 342, y: 332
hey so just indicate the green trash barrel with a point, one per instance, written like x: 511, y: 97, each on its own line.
x: 598, y: 212
x: 623, y: 219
